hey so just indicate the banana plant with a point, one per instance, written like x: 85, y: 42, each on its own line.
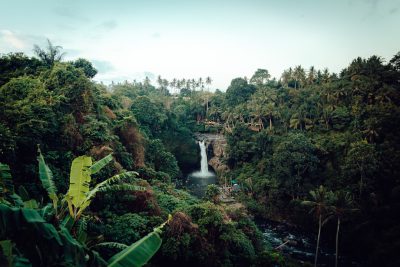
x: 28, y: 217
x: 46, y: 177
x: 79, y: 195
x: 7, y: 193
x: 23, y: 229
x: 140, y: 252
x: 55, y: 246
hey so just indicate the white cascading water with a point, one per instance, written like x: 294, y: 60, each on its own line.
x: 198, y: 181
x: 204, y: 172
x: 203, y: 163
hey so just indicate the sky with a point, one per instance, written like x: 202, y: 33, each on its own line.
x: 223, y: 39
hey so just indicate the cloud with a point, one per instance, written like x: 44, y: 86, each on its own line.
x: 156, y: 35
x: 102, y: 66
x: 150, y: 75
x: 119, y: 77
x: 373, y: 3
x: 12, y: 40
x: 101, y: 29
x: 72, y: 53
x: 69, y: 13
x: 108, y: 25
x: 393, y: 10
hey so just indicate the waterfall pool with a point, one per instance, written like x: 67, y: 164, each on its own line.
x: 197, y: 185
x: 198, y: 181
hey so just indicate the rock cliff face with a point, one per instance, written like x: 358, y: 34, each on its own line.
x: 216, y: 152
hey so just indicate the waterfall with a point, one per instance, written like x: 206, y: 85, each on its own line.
x: 204, y: 172
x: 204, y: 162
x: 198, y: 181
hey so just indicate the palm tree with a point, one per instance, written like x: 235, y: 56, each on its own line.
x: 287, y: 76
x: 147, y: 82
x: 312, y: 73
x: 299, y: 76
x: 263, y: 105
x: 194, y: 84
x: 343, y: 204
x: 174, y: 85
x: 208, y: 82
x: 200, y: 83
x: 50, y: 55
x: 164, y: 87
x: 325, y: 75
x: 319, y: 206
x: 160, y: 81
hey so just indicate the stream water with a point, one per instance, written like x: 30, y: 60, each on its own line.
x: 301, y: 245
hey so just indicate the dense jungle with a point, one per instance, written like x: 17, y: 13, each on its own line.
x: 94, y: 174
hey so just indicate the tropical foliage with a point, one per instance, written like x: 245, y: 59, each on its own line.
x: 334, y: 135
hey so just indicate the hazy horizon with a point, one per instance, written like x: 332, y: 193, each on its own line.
x: 129, y: 40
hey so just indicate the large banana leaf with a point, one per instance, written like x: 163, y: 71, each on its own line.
x: 46, y: 177
x: 114, y: 245
x: 107, y: 186
x: 23, y: 193
x: 109, y: 181
x: 100, y: 164
x: 31, y: 204
x: 121, y: 187
x: 79, y: 180
x: 59, y: 247
x: 139, y: 253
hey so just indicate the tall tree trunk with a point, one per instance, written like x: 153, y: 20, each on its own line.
x: 261, y: 123
x: 270, y: 123
x: 207, y: 106
x: 319, y: 234
x: 337, y: 242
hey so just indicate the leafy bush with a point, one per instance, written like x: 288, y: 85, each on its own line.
x: 127, y: 228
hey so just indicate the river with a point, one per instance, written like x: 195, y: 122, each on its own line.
x: 300, y: 245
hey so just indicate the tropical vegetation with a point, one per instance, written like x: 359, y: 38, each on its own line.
x: 93, y: 175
